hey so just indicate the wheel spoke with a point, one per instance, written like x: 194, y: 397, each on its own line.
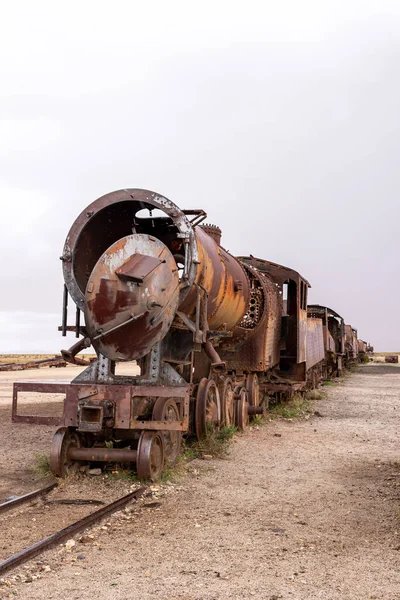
x: 150, y: 455
x: 208, y: 410
x: 166, y: 409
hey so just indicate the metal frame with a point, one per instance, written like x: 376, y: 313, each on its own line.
x: 182, y: 394
x: 36, y: 386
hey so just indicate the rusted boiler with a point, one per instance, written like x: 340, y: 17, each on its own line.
x: 213, y: 335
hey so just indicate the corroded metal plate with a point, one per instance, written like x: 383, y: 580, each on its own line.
x: 131, y: 297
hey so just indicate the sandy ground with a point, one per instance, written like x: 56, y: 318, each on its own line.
x: 300, y: 510
x: 22, y: 443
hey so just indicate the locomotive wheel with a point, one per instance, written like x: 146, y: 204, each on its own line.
x: 64, y: 439
x: 241, y: 408
x: 150, y: 455
x: 208, y: 408
x: 227, y: 392
x: 253, y: 389
x: 166, y: 409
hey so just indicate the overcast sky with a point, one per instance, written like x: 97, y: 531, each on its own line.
x: 280, y: 119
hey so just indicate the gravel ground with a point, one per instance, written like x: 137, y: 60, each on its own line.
x: 300, y: 510
x: 21, y: 442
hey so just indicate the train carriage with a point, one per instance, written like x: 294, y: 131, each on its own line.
x: 334, y: 338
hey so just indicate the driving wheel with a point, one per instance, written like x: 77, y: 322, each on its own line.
x: 242, y: 408
x: 227, y: 393
x: 208, y: 408
x: 166, y: 409
x: 150, y: 455
x: 253, y: 390
x: 64, y: 439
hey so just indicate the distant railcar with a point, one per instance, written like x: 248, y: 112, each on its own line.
x: 351, y: 345
x: 362, y: 351
x: 334, y: 338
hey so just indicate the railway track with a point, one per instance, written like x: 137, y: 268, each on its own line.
x: 33, y: 550
x: 18, y: 500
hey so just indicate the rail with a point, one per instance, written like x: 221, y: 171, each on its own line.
x: 12, y: 503
x: 26, y: 554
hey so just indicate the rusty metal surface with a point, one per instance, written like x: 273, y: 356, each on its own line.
x: 351, y: 343
x: 334, y: 331
x: 112, y: 217
x: 88, y: 261
x: 8, y: 504
x: 234, y: 302
x: 302, y: 337
x: 256, y: 410
x: 129, y: 401
x: 208, y: 408
x: 150, y: 455
x: 362, y: 347
x: 256, y: 343
x: 394, y: 358
x: 130, y: 302
x: 315, y: 342
x: 296, y: 304
x: 164, y: 410
x: 45, y: 387
x: 318, y: 310
x: 225, y: 282
x: 213, y: 231
x: 277, y: 272
x: 57, y: 361
x: 102, y: 454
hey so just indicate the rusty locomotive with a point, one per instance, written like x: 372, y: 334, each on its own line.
x: 214, y: 336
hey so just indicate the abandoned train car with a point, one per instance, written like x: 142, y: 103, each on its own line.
x: 350, y: 345
x: 214, y: 335
x: 334, y: 339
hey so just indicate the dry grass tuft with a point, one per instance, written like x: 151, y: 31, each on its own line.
x: 42, y: 465
x: 215, y: 444
x: 316, y: 394
x: 296, y: 408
